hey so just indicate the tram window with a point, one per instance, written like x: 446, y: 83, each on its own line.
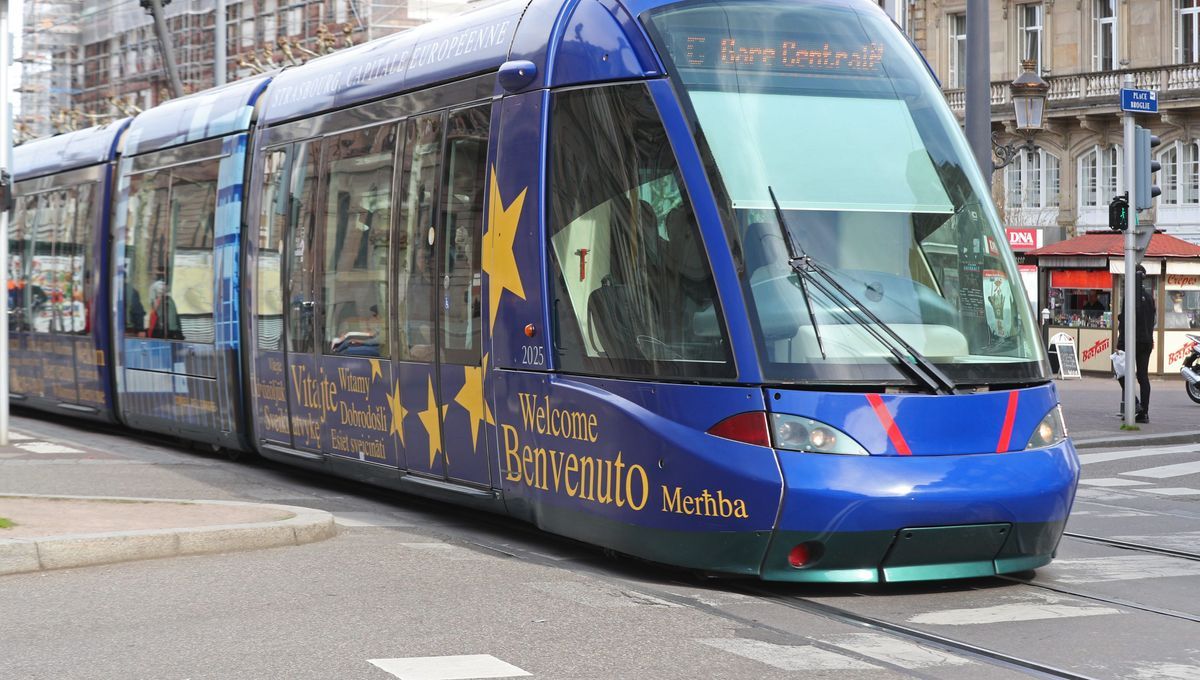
x: 48, y: 268
x: 416, y: 265
x: 268, y: 291
x: 77, y: 300
x: 24, y: 213
x: 358, y: 216
x: 302, y: 202
x: 190, y: 285
x: 634, y: 292
x: 462, y: 229
x: 147, y: 238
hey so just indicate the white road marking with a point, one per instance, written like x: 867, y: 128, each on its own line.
x: 902, y: 653
x: 368, y: 519
x: 1120, y: 568
x: 1187, y: 540
x: 1176, y: 470
x: 1166, y: 671
x: 789, y: 657
x: 1123, y: 454
x: 1174, y: 491
x: 46, y: 447
x: 1046, y: 606
x: 15, y: 436
x: 1110, y: 514
x: 463, y: 667
x: 1111, y: 481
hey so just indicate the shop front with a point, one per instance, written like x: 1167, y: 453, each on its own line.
x: 1081, y: 286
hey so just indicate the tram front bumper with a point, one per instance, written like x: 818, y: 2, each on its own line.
x: 914, y: 518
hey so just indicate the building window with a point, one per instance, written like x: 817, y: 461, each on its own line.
x: 1032, y: 181
x: 1099, y: 175
x: 1029, y: 32
x: 1180, y: 174
x: 958, y: 50
x: 1187, y: 31
x: 1104, y: 35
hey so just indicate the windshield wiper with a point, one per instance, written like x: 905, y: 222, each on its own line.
x: 810, y: 271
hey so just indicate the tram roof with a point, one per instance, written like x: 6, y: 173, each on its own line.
x: 67, y: 151
x: 212, y: 113
x: 476, y: 41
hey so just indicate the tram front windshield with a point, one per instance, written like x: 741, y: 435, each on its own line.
x: 822, y: 117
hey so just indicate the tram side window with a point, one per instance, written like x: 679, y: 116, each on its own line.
x: 19, y: 236
x: 634, y: 294
x: 271, y: 223
x: 50, y: 267
x: 84, y: 261
x: 358, y: 218
x: 185, y: 309
x: 146, y: 242
x: 462, y: 229
x: 415, y: 269
x: 302, y: 206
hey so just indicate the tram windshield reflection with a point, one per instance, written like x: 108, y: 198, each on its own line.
x: 833, y: 110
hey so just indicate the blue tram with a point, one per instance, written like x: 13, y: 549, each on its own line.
x: 713, y: 284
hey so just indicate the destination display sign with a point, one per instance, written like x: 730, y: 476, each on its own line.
x: 775, y: 52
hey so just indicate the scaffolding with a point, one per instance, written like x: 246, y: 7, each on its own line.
x: 92, y: 61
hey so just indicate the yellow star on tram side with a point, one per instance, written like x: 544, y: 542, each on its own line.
x: 470, y: 397
x: 376, y: 370
x: 499, y: 260
x: 398, y: 413
x: 431, y: 418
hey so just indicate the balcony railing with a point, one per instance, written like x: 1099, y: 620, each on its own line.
x: 1083, y: 86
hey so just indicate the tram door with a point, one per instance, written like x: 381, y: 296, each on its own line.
x: 284, y: 299
x: 439, y: 307
x: 460, y: 312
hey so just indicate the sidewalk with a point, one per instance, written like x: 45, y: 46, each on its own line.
x: 40, y: 531
x: 1090, y: 407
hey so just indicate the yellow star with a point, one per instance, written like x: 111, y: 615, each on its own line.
x: 431, y: 418
x: 398, y: 413
x: 376, y: 370
x: 499, y: 261
x: 470, y: 397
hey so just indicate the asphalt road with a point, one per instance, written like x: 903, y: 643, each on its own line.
x: 407, y: 579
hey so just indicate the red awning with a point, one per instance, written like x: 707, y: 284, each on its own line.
x: 1113, y: 245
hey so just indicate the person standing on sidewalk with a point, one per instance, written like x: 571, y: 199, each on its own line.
x: 1145, y: 344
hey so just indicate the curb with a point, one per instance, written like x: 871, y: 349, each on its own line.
x: 1133, y: 439
x: 24, y: 555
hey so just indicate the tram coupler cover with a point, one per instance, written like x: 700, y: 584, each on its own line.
x: 964, y: 551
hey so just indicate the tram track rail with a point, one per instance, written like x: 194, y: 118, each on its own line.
x: 961, y: 648
x: 1137, y: 547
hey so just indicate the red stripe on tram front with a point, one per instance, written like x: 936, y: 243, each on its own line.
x: 1010, y: 414
x: 885, y: 419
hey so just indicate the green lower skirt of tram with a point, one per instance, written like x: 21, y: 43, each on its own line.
x: 913, y: 554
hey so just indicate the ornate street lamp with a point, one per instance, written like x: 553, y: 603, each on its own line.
x: 1029, y: 100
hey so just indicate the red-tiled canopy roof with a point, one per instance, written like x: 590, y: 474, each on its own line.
x: 1113, y: 245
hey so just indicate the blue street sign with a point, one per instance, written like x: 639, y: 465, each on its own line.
x: 1139, y: 101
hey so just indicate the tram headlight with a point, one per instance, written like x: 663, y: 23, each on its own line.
x: 1050, y: 431
x: 794, y: 433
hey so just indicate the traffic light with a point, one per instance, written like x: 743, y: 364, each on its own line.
x: 1145, y: 167
x: 1118, y: 213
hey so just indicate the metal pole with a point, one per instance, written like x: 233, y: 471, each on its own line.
x: 219, y: 57
x: 1129, y: 306
x: 6, y: 166
x: 165, y: 48
x: 979, y: 86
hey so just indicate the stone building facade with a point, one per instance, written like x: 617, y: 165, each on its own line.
x: 1083, y: 49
